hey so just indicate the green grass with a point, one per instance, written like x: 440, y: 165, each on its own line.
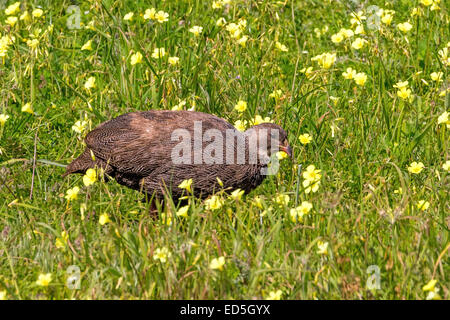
x: 363, y: 160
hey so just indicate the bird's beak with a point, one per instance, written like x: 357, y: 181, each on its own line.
x: 286, y: 149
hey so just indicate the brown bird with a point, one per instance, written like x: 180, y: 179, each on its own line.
x: 155, y: 151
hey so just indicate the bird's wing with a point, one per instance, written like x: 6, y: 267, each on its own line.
x: 139, y: 143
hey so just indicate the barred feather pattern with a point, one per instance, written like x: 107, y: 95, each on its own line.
x: 135, y: 149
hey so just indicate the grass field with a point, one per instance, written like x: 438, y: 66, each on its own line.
x: 374, y: 225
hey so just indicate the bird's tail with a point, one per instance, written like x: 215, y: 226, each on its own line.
x: 80, y: 164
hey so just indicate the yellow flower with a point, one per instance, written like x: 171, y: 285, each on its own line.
x: 305, y: 138
x: 3, y: 118
x: 401, y: 84
x: 214, y: 203
x: 186, y: 184
x: 347, y: 33
x: 276, y: 94
x: 242, y: 23
x: 308, y: 72
x: 436, y: 76
x: 443, y: 93
x: 90, y: 25
x: 312, y: 178
x: 404, y: 27
x: 297, y: 214
x: 3, y: 295
x: 173, y: 60
x: 72, y: 194
x: 236, y: 195
x: 281, y: 155
x: 79, y: 126
x: 33, y: 43
x: 360, y: 78
x: 162, y: 254
x: 359, y: 29
x: 27, y: 108
x: 25, y: 16
x: 328, y: 60
x: 87, y: 46
x: 90, y: 83
x: 282, y: 199
x: 104, y: 219
x: 179, y: 106
x: 443, y: 54
x: 423, y: 205
x: 335, y: 100
x: 416, y: 12
x: 217, y: 4
x: 37, y: 13
x: 161, y: 16
x: 217, y: 263
x: 426, y: 2
x: 416, y: 167
x: 357, y: 18
x: 136, y: 58
x: 128, y: 16
x: 446, y: 165
x: 305, y: 207
x: 11, y: 21
x: 183, y: 212
x: 325, y: 60
x: 404, y: 93
x: 443, y: 118
x: 167, y: 220
x: 435, y: 6
x: 281, y: 47
x: 242, y: 41
x: 12, y: 9
x: 349, y: 74
x: 240, y: 125
x: 358, y: 43
x: 196, y: 30
x: 311, y: 186
x: 274, y: 295
x: 90, y: 177
x: 44, y: 279
x: 432, y: 290
x: 337, y: 38
x: 257, y: 201
x: 241, y: 106
x: 434, y: 295
x: 158, y: 53
x: 150, y: 14
x: 387, y: 19
x: 322, y: 248
x: 312, y: 174
x: 430, y: 285
x: 221, y: 22
x: 5, y: 42
x: 258, y: 120
x: 61, y: 242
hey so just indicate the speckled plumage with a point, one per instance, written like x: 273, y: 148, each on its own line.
x: 135, y: 149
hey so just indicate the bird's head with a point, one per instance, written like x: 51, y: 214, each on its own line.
x: 271, y: 138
